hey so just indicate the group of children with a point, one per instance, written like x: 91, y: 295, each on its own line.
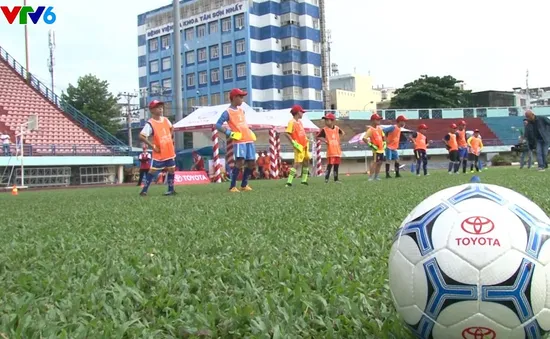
x: 384, y: 143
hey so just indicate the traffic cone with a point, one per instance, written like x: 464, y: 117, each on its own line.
x: 14, y: 190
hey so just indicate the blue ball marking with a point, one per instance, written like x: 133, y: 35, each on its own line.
x: 475, y: 179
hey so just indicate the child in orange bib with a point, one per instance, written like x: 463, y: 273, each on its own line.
x: 331, y: 135
x: 160, y: 130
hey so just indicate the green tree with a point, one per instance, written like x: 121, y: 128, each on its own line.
x: 432, y: 92
x: 91, y: 96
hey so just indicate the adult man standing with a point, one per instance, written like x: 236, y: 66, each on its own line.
x: 541, y: 129
x: 528, y: 144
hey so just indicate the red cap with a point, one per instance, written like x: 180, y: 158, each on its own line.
x: 329, y: 116
x: 401, y: 118
x: 453, y: 126
x: 375, y: 116
x: 237, y: 92
x: 155, y: 103
x: 422, y: 126
x: 297, y: 109
x: 463, y: 123
x: 476, y: 131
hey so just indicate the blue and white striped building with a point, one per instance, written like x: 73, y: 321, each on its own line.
x: 269, y: 48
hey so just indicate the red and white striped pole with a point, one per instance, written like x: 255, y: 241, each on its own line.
x: 229, y: 158
x: 272, y: 154
x: 216, y: 155
x: 318, y: 161
x: 278, y: 153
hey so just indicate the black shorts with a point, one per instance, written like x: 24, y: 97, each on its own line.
x: 454, y: 156
x: 379, y: 157
x: 420, y: 154
x: 473, y: 157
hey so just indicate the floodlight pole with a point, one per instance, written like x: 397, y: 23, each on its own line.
x: 28, y: 75
x: 177, y: 79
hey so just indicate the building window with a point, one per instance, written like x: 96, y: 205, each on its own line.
x: 228, y: 73
x: 290, y: 19
x: 202, y: 54
x: 292, y: 68
x: 239, y: 21
x: 214, y: 52
x: 153, y: 45
x: 215, y: 99
x: 226, y: 97
x: 290, y: 43
x: 189, y: 34
x: 226, y: 47
x: 165, y: 41
x: 190, y: 57
x: 191, y: 80
x: 316, y: 24
x: 190, y: 103
x: 226, y: 25
x: 316, y: 47
x: 317, y: 71
x: 239, y: 46
x: 215, y: 75
x: 292, y: 93
x: 203, y: 78
x: 214, y: 27
x: 155, y: 87
x: 154, y: 66
x: 166, y: 64
x: 241, y: 70
x: 318, y: 96
x: 167, y: 85
x: 201, y: 31
x: 203, y: 100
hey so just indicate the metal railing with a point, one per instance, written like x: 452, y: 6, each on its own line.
x: 81, y: 119
x: 71, y: 150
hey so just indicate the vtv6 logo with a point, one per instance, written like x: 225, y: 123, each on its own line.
x: 477, y: 232
x: 46, y: 13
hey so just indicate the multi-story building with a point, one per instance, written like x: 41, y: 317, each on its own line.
x: 352, y: 92
x: 269, y: 48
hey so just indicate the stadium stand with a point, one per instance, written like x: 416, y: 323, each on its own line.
x: 438, y: 128
x: 61, y: 127
x: 506, y: 129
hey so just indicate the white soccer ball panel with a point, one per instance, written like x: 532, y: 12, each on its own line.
x: 420, y: 292
x: 543, y: 319
x: 539, y: 286
x: 483, y: 230
x: 457, y: 268
x: 410, y: 314
x: 499, y: 313
x: 544, y: 255
x: 401, y: 279
x: 477, y: 326
x: 408, y: 248
x: 520, y: 200
x: 458, y: 312
x: 502, y: 268
x: 431, y: 202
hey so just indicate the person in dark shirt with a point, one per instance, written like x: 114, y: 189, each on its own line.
x: 528, y: 144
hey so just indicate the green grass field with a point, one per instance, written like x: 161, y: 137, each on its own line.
x: 304, y: 262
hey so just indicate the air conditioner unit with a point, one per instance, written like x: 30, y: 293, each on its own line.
x: 276, y: 17
x: 278, y: 65
x: 276, y: 41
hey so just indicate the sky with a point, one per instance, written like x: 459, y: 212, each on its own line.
x: 488, y: 44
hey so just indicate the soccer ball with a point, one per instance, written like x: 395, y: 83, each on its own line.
x: 473, y: 262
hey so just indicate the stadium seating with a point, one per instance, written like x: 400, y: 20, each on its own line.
x: 505, y: 128
x: 18, y: 101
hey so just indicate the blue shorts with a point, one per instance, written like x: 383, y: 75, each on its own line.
x: 463, y: 152
x: 391, y: 155
x: 245, y: 150
x: 162, y: 164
